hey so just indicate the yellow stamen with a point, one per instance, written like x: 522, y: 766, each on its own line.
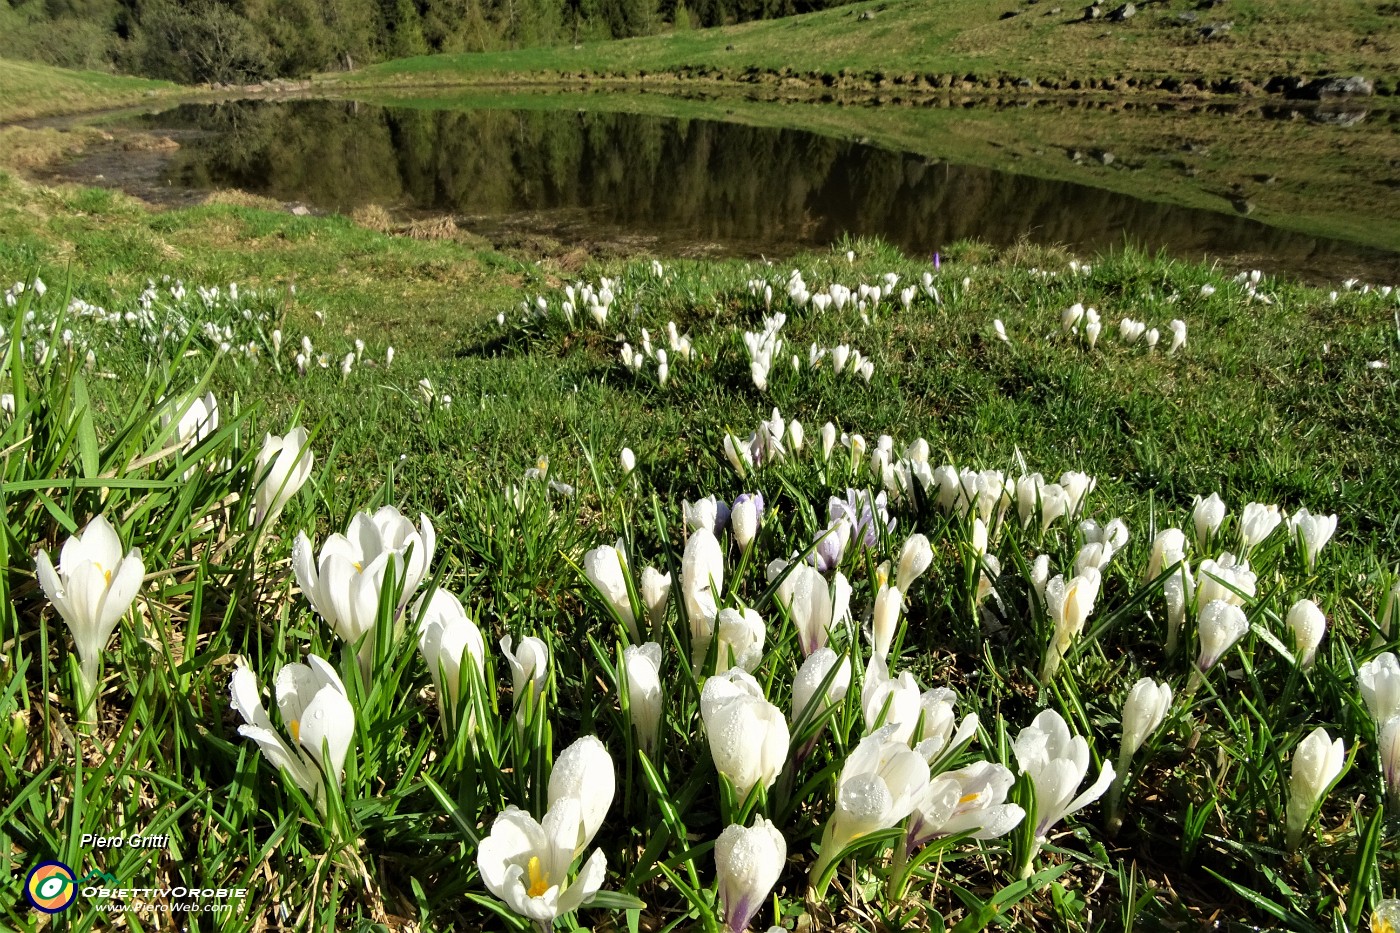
x: 967, y: 798
x: 539, y: 882
x: 106, y: 574
x: 358, y: 567
x: 295, y: 726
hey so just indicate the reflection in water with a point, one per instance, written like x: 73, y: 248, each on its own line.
x: 683, y: 183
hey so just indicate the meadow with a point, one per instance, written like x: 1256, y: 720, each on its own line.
x: 815, y: 594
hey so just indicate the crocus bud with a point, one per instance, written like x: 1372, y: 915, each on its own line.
x: 702, y: 585
x: 1316, y: 530
x: 748, y: 861
x: 914, y: 558
x: 804, y: 594
x: 1257, y: 522
x: 1068, y: 603
x: 744, y: 518
x: 628, y: 460
x: 656, y: 589
x: 828, y: 441
x: 584, y: 771
x: 1207, y: 514
x: 1380, y: 687
x: 885, y: 619
x: 1220, y: 626
x: 1388, y: 747
x: 809, y: 679
x: 1317, y: 762
x: 529, y: 669
x: 741, y: 636
x: 605, y: 568
x: 1308, y: 624
x: 281, y: 469
x: 748, y: 735
x: 446, y: 637
x: 642, y: 665
x: 1143, y: 713
x: 1169, y: 547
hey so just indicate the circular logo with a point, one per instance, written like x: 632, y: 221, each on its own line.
x: 51, y: 887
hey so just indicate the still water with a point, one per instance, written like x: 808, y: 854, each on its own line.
x: 680, y: 187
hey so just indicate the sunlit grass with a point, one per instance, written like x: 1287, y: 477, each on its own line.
x: 1276, y: 397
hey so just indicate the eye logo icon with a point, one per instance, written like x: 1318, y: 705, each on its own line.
x: 51, y: 887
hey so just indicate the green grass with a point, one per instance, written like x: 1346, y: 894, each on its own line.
x: 31, y: 90
x: 959, y: 37
x: 1270, y: 401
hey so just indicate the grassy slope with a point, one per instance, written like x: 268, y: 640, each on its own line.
x: 29, y: 90
x: 1251, y: 407
x: 1270, y: 37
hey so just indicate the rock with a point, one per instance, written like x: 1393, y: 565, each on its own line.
x: 867, y: 15
x: 1338, y: 86
x: 1216, y: 30
x: 1338, y: 117
x: 1092, y: 12
x: 1104, y: 156
x: 1243, y: 205
x: 301, y: 210
x: 1187, y: 16
x: 729, y: 48
x: 1124, y: 12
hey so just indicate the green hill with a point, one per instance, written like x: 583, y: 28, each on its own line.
x: 29, y: 90
x: 1046, y: 41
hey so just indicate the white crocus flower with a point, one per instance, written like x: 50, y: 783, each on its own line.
x: 195, y: 419
x: 879, y: 785
x: 1307, y: 623
x: 1379, y: 679
x: 1068, y: 604
x: 809, y: 679
x: 1144, y: 711
x: 1077, y: 486
x: 885, y: 619
x: 1168, y: 547
x: 642, y: 666
x: 315, y: 710
x: 1057, y: 763
x: 702, y: 586
x: 446, y: 638
x: 529, y: 671
x: 281, y: 469
x: 748, y: 736
x: 968, y: 799
x: 815, y: 608
x: 606, y: 568
x: 1206, y: 516
x: 1221, y: 625
x: 890, y: 701
x: 526, y: 863
x: 1257, y: 522
x: 941, y: 733
x: 743, y: 521
x: 1226, y: 579
x: 741, y: 637
x: 914, y: 558
x: 344, y: 586
x: 628, y: 461
x: 584, y: 771
x: 92, y: 589
x: 656, y: 590
x: 748, y: 861
x: 1316, y: 531
x: 1178, y: 329
x: 1317, y: 763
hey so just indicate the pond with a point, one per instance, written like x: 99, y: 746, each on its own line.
x: 631, y: 182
